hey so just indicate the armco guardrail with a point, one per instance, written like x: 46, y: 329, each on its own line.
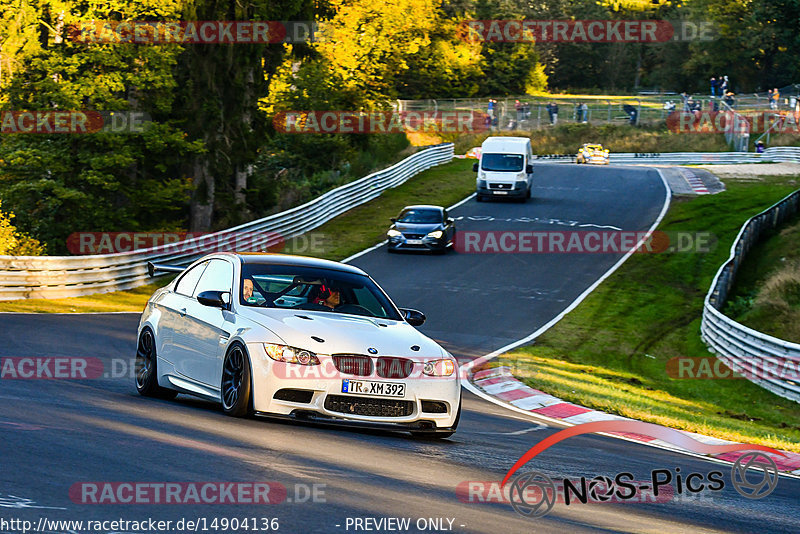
x: 770, y: 155
x: 768, y: 361
x: 23, y: 277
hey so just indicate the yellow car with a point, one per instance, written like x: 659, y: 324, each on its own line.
x: 592, y: 153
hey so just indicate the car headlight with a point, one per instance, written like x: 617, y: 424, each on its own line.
x: 436, y: 234
x: 522, y: 177
x: 282, y: 353
x: 393, y: 233
x: 439, y: 368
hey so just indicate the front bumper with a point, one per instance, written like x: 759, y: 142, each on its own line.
x: 322, y: 385
x: 516, y: 190
x: 422, y: 244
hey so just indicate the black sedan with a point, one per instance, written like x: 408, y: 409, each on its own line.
x: 422, y: 228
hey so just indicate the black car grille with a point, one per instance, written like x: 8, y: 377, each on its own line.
x: 414, y: 236
x: 353, y: 364
x: 390, y: 367
x: 369, y: 406
x: 499, y: 186
x: 294, y: 395
x: 434, y: 407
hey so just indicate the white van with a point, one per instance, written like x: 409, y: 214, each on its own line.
x: 505, y: 169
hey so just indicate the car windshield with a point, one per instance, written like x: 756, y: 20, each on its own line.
x: 314, y: 289
x: 502, y: 162
x: 420, y: 216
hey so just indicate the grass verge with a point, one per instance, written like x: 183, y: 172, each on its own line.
x: 766, y: 296
x: 610, y: 353
x: 341, y: 237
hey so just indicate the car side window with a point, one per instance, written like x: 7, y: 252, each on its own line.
x: 189, y: 279
x: 218, y: 276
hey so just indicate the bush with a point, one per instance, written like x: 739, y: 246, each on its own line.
x: 14, y: 242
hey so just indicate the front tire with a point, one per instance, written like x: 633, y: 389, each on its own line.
x: 236, y: 386
x: 147, y: 368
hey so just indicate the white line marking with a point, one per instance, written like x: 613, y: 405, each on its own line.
x: 582, y: 296
x: 539, y: 426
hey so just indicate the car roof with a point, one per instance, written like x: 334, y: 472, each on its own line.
x: 505, y: 144
x: 296, y: 261
x: 423, y: 207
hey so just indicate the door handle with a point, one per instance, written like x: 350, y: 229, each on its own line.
x: 183, y: 312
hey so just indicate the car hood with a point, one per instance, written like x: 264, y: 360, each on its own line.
x: 493, y: 176
x: 417, y: 228
x: 342, y: 333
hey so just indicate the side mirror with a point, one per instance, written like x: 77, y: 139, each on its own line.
x: 475, y: 167
x: 393, y: 219
x: 215, y: 299
x: 529, y: 168
x: 450, y: 220
x: 413, y: 317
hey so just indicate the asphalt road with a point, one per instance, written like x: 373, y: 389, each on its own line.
x: 56, y: 433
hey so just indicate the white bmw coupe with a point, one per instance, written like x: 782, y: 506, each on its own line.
x: 297, y: 337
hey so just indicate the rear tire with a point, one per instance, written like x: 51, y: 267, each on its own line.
x: 146, y: 368
x: 478, y: 198
x: 236, y: 387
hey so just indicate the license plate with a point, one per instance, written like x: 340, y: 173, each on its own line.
x: 500, y: 192
x: 414, y: 241
x: 368, y: 387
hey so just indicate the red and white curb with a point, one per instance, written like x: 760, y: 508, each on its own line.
x: 500, y: 384
x: 694, y: 181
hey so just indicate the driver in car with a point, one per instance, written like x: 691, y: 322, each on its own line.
x: 328, y: 297
x: 247, y: 291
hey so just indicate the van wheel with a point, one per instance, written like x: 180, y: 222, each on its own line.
x: 478, y: 198
x: 528, y: 194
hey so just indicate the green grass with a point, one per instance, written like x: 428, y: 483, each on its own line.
x: 132, y: 300
x: 766, y: 295
x: 567, y: 138
x: 610, y: 353
x: 340, y: 237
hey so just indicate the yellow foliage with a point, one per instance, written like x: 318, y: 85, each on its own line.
x: 16, y: 243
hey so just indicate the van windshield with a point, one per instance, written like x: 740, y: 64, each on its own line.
x: 502, y: 162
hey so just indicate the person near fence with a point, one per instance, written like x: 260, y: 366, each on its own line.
x: 584, y: 113
x: 775, y: 101
x: 723, y: 86
x: 713, y: 86
x: 760, y: 147
x: 552, y: 110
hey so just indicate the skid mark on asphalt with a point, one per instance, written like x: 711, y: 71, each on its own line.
x: 539, y: 426
x: 12, y: 501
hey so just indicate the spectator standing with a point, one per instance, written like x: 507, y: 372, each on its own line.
x: 552, y: 110
x: 584, y: 112
x: 723, y: 86
x: 776, y: 99
x: 713, y: 86
x: 769, y: 98
x: 491, y: 108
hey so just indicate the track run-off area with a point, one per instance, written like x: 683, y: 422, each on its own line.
x: 58, y: 435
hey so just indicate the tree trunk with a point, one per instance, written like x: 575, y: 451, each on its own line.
x: 202, y: 203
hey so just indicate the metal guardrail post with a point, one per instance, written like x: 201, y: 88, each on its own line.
x: 743, y: 349
x: 23, y: 277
